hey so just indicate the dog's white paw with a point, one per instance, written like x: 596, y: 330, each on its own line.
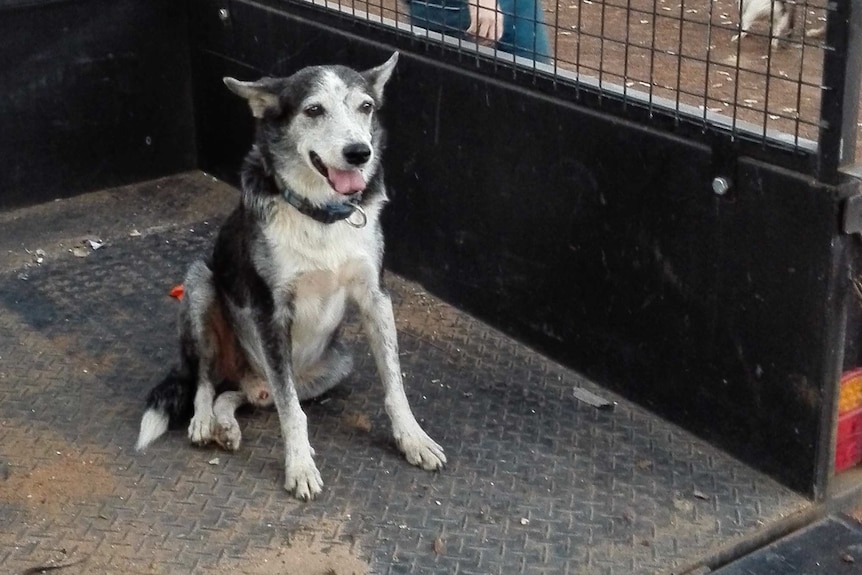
x: 302, y: 478
x: 421, y: 451
x: 227, y: 434
x: 201, y: 428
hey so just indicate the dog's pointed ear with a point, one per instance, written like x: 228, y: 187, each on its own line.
x: 377, y: 77
x: 262, y: 99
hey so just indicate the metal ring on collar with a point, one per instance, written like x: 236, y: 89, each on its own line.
x: 363, y: 218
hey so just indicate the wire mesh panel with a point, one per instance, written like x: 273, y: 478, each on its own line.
x: 681, y: 55
x: 681, y: 60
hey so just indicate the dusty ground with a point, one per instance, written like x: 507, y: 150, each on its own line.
x: 682, y: 51
x: 52, y: 481
x: 68, y: 499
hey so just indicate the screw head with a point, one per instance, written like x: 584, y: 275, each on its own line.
x: 223, y: 14
x: 720, y: 185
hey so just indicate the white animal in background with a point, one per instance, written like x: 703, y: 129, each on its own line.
x: 777, y: 11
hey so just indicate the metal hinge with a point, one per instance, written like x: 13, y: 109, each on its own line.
x: 851, y: 220
x: 851, y: 223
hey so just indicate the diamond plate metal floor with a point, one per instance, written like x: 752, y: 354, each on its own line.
x: 537, y: 482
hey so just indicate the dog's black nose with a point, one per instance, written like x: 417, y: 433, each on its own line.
x: 356, y: 154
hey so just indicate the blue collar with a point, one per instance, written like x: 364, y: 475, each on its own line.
x: 328, y: 214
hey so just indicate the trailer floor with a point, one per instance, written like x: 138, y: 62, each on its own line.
x: 537, y: 482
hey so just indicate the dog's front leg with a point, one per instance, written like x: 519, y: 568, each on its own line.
x: 199, y: 344
x: 301, y: 476
x: 203, y: 421
x: 378, y: 321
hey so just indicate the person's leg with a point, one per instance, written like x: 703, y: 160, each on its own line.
x: 451, y: 17
x: 526, y: 33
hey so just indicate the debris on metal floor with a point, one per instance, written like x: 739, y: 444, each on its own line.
x: 538, y: 481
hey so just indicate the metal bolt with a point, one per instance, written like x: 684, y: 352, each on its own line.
x: 720, y: 185
x: 223, y: 14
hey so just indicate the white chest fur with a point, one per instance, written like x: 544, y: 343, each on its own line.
x: 298, y: 245
x: 318, y: 266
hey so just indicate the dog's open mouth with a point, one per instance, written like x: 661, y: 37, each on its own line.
x: 344, y: 182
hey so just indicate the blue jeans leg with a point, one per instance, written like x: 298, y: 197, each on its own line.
x: 525, y: 32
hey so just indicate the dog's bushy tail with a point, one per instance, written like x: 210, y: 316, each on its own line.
x: 169, y: 403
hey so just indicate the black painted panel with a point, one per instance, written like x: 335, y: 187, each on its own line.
x: 93, y: 93
x: 594, y: 239
x: 605, y: 245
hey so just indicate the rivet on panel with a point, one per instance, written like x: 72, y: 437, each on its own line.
x: 720, y: 185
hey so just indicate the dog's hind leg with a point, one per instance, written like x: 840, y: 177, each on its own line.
x: 378, y: 322
x: 749, y: 12
x: 782, y: 22
x: 254, y: 391
x: 180, y: 394
x: 315, y: 380
x: 227, y: 433
x: 199, y: 301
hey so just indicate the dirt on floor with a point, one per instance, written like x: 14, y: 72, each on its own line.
x: 137, y: 215
x: 51, y: 483
x: 45, y: 473
x: 51, y: 480
x: 305, y: 552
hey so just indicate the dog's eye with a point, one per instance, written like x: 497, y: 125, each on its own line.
x: 314, y: 111
x: 366, y: 107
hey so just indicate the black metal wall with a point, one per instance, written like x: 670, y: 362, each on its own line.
x: 597, y: 240
x: 93, y: 93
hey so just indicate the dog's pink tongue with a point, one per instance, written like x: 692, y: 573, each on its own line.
x: 346, y: 181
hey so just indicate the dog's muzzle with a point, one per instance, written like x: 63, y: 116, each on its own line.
x: 344, y: 182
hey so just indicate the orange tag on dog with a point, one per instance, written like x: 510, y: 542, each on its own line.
x: 177, y: 292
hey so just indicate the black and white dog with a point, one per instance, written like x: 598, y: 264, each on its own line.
x: 264, y: 312
x: 780, y: 14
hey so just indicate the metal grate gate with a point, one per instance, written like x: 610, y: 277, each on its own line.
x: 677, y: 62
